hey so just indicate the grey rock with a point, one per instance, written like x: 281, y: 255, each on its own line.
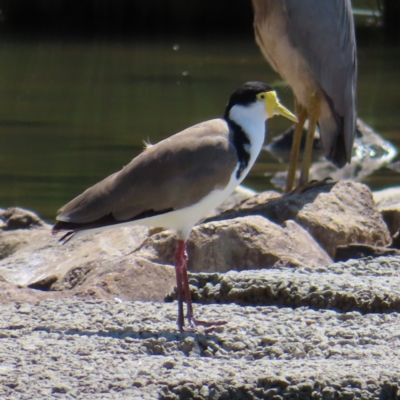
x: 39, y: 255
x: 388, y: 203
x: 131, y: 350
x: 357, y: 251
x: 251, y: 243
x: 127, y: 278
x: 333, y: 214
x: 126, y: 262
x: 303, y: 332
x: 296, y: 330
x: 370, y: 152
x: 240, y: 195
x: 243, y: 243
x: 340, y: 286
x: 99, y: 266
x: 18, y: 218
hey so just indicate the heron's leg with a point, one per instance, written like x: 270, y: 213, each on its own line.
x: 313, y: 115
x: 180, y: 262
x: 301, y: 114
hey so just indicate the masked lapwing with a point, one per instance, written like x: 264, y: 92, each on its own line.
x: 176, y: 182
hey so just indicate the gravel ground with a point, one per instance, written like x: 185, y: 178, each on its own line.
x: 75, y: 349
x: 368, y: 285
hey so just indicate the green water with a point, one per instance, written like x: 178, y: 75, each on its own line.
x: 73, y: 112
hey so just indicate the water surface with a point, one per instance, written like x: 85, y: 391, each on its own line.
x: 73, y: 112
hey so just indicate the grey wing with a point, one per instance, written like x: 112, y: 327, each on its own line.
x: 167, y: 176
x: 324, y: 33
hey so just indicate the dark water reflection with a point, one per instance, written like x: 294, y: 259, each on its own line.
x: 71, y: 112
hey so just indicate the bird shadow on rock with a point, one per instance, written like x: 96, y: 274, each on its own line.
x: 154, y: 341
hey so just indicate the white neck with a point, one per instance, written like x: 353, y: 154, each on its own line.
x: 252, y: 120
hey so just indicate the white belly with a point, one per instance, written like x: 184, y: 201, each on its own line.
x: 183, y: 220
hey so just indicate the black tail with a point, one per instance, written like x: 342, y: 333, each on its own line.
x: 338, y: 154
x: 61, y: 226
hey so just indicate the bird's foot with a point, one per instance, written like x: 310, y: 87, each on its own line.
x: 209, y: 326
x: 301, y: 188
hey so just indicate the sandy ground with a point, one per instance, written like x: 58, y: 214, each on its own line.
x: 77, y: 349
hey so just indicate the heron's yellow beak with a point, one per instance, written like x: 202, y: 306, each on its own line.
x: 275, y: 108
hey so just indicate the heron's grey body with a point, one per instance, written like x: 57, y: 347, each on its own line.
x: 311, y: 44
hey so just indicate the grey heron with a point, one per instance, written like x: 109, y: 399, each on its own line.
x: 311, y: 44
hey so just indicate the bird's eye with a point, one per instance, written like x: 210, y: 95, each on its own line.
x: 261, y: 96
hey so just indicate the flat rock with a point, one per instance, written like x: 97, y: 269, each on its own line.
x: 333, y: 214
x: 358, y: 251
x: 133, y: 263
x: 367, y: 285
x: 131, y: 350
x: 370, y: 153
x: 18, y: 218
x: 388, y: 203
x: 125, y: 278
x: 240, y: 195
x: 34, y: 258
x: 100, y: 266
x: 250, y: 242
x: 299, y: 332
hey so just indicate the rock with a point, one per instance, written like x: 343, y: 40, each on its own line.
x: 39, y: 254
x: 44, y: 284
x: 305, y: 332
x: 18, y: 218
x: 343, y: 286
x: 74, y: 349
x: 258, y: 198
x: 18, y: 228
x: 11, y: 241
x: 334, y: 214
x: 244, y: 243
x: 133, y: 263
x: 98, y: 265
x: 240, y: 195
x: 252, y: 242
x: 357, y: 251
x: 388, y: 203
x: 370, y: 152
x: 12, y: 293
x: 127, y: 278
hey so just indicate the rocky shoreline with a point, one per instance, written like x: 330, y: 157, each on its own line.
x: 88, y: 319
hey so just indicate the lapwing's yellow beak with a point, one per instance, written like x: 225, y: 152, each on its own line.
x: 275, y: 108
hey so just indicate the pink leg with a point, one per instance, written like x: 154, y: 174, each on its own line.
x: 185, y: 282
x: 182, y: 284
x: 180, y: 261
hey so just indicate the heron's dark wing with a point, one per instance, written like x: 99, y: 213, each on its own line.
x: 323, y: 31
x: 170, y: 175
